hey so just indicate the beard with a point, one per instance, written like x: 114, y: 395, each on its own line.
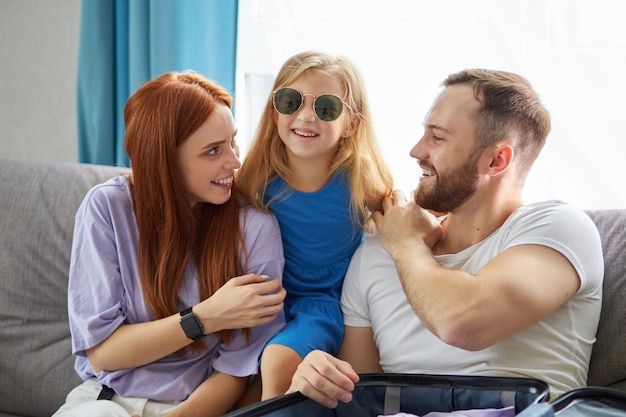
x: 450, y: 190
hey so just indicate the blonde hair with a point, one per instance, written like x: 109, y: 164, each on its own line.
x: 358, y: 155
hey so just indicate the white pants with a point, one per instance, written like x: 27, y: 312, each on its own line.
x: 82, y: 402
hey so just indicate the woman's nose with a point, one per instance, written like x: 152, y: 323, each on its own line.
x: 233, y: 161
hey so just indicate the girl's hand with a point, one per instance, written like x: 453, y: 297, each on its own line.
x: 405, y: 223
x: 245, y: 301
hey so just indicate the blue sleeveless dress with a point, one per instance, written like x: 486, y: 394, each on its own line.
x: 319, y: 238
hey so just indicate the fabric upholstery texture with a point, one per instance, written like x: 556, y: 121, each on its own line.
x: 38, y: 201
x: 37, y: 205
x: 608, y: 357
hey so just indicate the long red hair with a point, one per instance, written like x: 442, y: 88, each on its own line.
x: 160, y: 116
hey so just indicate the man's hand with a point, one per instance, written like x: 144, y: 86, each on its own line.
x: 405, y: 224
x: 325, y: 379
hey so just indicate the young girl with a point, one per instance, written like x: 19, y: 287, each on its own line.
x: 168, y: 286
x: 316, y: 165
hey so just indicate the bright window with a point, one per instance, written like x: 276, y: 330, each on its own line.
x: 572, y: 51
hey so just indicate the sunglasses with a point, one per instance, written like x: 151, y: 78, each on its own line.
x: 327, y: 107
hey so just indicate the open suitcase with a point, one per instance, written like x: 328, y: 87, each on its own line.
x: 388, y: 394
x: 582, y: 402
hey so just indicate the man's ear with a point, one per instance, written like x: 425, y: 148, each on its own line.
x: 501, y: 158
x: 355, y: 121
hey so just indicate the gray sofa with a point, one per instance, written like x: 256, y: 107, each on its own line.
x: 37, y: 205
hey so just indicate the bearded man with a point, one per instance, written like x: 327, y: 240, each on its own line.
x: 488, y: 286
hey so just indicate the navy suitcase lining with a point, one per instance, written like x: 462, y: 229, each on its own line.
x: 386, y: 394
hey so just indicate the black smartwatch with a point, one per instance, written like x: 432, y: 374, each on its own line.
x: 191, y: 324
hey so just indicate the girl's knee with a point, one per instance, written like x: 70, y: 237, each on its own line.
x: 277, y: 357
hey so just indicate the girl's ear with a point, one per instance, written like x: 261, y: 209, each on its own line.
x: 352, y: 126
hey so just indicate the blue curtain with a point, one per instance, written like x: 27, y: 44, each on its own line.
x: 124, y: 43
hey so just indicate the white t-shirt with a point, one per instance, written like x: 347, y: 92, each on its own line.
x: 556, y: 350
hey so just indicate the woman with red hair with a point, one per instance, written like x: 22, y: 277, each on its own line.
x: 175, y: 280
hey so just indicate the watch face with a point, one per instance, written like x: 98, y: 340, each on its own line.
x: 191, y: 326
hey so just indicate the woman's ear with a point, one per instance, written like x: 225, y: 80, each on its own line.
x: 501, y: 158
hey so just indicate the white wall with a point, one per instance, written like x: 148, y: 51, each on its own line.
x: 38, y: 57
x: 573, y: 51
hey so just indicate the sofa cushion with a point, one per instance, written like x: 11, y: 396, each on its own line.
x: 608, y: 358
x: 38, y: 203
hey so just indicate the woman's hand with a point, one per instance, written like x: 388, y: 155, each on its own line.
x: 245, y: 301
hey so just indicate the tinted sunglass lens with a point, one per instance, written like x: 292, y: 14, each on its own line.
x: 328, y: 108
x: 287, y: 100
